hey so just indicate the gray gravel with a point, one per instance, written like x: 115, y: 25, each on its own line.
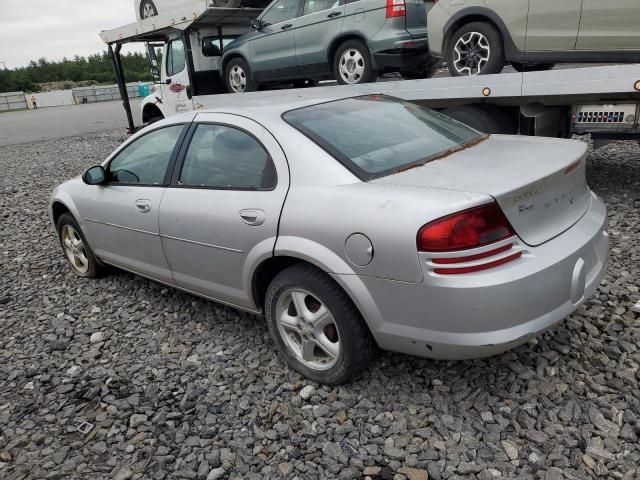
x: 124, y: 378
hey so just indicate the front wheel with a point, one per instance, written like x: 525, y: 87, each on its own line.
x: 75, y: 247
x: 238, y: 77
x: 475, y: 49
x: 352, y: 63
x: 316, y: 327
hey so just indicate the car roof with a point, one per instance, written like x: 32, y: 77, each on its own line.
x: 266, y: 108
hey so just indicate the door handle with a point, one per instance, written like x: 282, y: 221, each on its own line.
x: 286, y: 26
x: 144, y: 206
x: 253, y: 216
x: 334, y: 14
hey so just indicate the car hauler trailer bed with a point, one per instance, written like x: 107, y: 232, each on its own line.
x: 603, y: 101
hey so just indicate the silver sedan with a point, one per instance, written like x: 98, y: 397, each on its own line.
x: 350, y: 223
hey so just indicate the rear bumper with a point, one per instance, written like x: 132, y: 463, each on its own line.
x: 486, y: 313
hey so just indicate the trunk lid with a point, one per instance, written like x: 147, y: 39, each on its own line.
x: 539, y: 183
x: 416, y: 17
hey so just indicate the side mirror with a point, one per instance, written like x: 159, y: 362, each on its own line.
x: 95, y: 175
x: 256, y: 25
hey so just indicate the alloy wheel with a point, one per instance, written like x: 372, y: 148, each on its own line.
x: 74, y: 249
x: 238, y: 79
x: 351, y: 66
x: 471, y: 53
x: 308, y: 329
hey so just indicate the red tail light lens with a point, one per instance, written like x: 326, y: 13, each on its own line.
x: 464, y: 230
x: 396, y: 8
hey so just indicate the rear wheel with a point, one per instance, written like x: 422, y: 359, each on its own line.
x: 238, y: 77
x: 148, y: 9
x: 316, y: 327
x: 352, y: 63
x: 75, y: 247
x: 475, y: 49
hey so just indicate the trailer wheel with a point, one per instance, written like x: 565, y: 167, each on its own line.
x: 148, y: 9
x: 228, y: 3
x: 475, y: 49
x: 475, y: 117
x: 238, y: 77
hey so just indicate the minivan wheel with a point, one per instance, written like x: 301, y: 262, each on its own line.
x: 352, y: 63
x: 475, y: 49
x: 75, y: 247
x: 238, y: 76
x: 316, y: 327
x: 148, y: 9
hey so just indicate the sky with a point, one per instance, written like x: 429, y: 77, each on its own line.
x: 30, y: 29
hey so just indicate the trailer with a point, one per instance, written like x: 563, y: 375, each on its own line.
x: 603, y: 101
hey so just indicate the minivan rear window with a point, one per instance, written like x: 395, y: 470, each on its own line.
x: 377, y: 135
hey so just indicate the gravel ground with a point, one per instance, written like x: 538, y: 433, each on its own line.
x: 173, y: 386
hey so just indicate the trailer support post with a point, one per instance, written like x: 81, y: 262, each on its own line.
x: 122, y: 86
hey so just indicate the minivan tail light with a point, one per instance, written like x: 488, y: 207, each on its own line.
x: 467, y: 229
x: 396, y: 8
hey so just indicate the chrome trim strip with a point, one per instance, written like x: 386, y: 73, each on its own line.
x: 220, y: 247
x: 120, y: 226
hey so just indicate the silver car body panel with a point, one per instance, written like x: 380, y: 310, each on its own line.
x: 407, y: 306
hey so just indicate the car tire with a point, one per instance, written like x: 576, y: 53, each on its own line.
x: 475, y: 49
x: 476, y: 118
x: 535, y: 67
x: 228, y: 3
x: 341, y: 331
x: 148, y: 9
x: 76, y: 248
x: 352, y: 63
x: 238, y: 76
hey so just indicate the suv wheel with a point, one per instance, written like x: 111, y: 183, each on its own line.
x: 316, y: 327
x: 352, y: 63
x: 475, y: 49
x: 238, y: 76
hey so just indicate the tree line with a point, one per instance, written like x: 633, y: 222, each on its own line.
x: 96, y: 68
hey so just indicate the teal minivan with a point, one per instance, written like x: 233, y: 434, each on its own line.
x: 352, y: 41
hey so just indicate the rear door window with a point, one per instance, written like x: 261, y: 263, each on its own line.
x: 376, y: 135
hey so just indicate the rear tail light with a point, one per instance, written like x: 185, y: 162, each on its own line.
x: 469, y: 229
x: 396, y: 8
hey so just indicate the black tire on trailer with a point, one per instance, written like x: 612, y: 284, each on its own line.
x: 353, y: 58
x: 148, y: 9
x: 476, y: 118
x: 507, y: 124
x: 315, y: 325
x: 475, y: 49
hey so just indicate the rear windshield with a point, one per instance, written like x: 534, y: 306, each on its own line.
x: 375, y: 135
